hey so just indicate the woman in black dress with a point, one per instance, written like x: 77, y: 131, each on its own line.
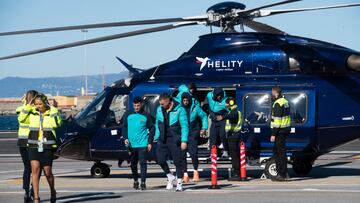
x: 43, y: 119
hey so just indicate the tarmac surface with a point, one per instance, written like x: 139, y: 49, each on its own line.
x: 334, y: 178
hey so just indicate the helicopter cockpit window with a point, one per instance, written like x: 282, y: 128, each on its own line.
x: 117, y: 109
x: 87, y: 117
x: 298, y: 107
x: 151, y: 103
x: 257, y: 108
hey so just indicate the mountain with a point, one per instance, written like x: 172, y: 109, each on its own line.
x: 17, y: 86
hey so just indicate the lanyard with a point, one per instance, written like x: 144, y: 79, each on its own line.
x: 41, y: 126
x: 41, y: 121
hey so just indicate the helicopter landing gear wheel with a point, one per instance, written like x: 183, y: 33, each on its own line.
x: 302, y: 167
x: 270, y: 169
x: 100, y: 170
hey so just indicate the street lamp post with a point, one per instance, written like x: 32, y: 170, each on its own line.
x: 85, y: 61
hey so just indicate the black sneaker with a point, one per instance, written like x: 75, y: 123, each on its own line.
x: 143, y: 186
x: 27, y: 196
x: 279, y: 179
x: 235, y: 178
x: 136, y: 185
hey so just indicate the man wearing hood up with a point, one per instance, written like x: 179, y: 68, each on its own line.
x: 196, y: 117
x: 217, y: 110
x: 183, y: 88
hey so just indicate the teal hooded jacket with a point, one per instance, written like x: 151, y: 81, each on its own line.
x: 178, y: 124
x: 182, y: 89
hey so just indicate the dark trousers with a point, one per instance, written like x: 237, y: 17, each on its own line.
x: 234, y: 151
x: 279, y: 151
x: 166, y: 149
x: 27, y: 167
x: 217, y: 134
x: 193, y: 151
x: 138, y: 155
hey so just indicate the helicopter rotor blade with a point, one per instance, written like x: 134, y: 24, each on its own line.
x: 262, y: 27
x: 105, y: 25
x: 246, y: 13
x: 102, y: 39
x: 264, y: 13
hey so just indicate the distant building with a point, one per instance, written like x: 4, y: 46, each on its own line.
x: 83, y: 100
x: 9, y: 105
x: 68, y: 104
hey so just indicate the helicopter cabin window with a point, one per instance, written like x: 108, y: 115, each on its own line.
x: 151, y: 103
x: 298, y: 107
x: 304, y: 59
x: 257, y: 108
x: 117, y: 109
x: 87, y: 117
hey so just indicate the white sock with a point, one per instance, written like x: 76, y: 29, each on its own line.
x: 170, y: 176
x: 186, y: 174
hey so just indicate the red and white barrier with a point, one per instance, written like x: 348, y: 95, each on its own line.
x: 214, y: 168
x: 243, y: 162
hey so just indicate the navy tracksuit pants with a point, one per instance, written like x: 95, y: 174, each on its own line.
x: 217, y: 134
x: 138, y: 155
x: 193, y: 151
x: 168, y: 149
x: 27, y: 167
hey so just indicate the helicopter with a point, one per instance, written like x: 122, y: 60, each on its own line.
x: 315, y: 76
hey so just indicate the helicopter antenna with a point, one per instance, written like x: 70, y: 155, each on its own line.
x: 153, y: 75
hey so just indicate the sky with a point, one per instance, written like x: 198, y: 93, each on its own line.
x: 338, y: 26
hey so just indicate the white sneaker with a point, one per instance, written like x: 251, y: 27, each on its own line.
x: 225, y: 154
x: 170, y: 182
x: 179, y: 186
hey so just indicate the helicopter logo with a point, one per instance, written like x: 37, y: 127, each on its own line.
x: 203, y: 61
x: 219, y: 65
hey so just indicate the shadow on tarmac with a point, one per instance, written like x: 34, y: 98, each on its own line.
x: 86, y: 197
x: 318, y: 172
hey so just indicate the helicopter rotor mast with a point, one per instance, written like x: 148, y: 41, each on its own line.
x: 225, y: 15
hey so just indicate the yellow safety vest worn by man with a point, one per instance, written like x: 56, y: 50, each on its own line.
x: 233, y: 120
x: 23, y: 131
x: 280, y: 116
x: 42, y: 127
x: 280, y: 128
x: 233, y: 127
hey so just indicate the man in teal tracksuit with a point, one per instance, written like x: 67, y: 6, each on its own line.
x: 138, y: 131
x: 198, y: 124
x: 182, y: 89
x: 217, y: 110
x: 172, y: 131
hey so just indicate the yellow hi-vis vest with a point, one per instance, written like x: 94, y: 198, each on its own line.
x: 42, y: 128
x: 23, y: 119
x: 229, y: 127
x: 284, y: 120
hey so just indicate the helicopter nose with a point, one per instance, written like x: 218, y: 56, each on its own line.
x: 353, y: 62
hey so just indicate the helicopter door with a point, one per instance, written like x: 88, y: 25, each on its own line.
x: 108, y: 143
x: 256, y: 104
